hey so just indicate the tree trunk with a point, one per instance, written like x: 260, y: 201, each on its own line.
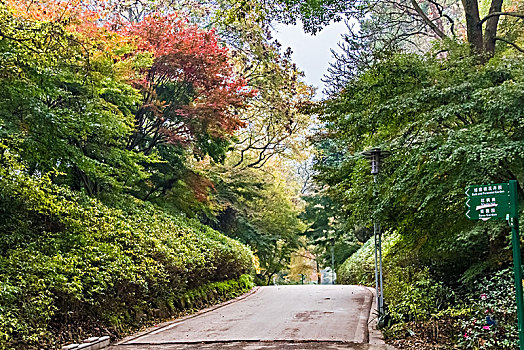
x: 269, y: 278
x: 473, y: 26
x: 491, y: 28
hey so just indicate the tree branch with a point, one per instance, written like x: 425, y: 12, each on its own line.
x: 493, y: 14
x: 440, y: 10
x: 511, y: 43
x: 426, y: 19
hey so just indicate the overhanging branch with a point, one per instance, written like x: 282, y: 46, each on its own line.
x: 493, y: 14
x: 510, y: 43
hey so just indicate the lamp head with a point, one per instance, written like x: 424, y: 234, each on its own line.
x: 375, y: 155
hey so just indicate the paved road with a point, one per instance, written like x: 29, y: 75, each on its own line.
x: 277, y: 317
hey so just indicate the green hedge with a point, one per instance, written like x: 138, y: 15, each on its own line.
x: 69, y: 262
x: 411, y: 292
x: 359, y: 268
x: 216, y: 292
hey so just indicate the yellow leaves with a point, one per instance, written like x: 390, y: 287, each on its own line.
x: 88, y: 24
x: 303, y: 262
x: 46, y: 10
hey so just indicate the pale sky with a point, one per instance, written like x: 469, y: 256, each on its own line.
x: 312, y: 54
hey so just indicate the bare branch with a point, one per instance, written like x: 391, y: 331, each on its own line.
x: 429, y: 22
x: 440, y: 10
x: 510, y: 43
x: 493, y: 14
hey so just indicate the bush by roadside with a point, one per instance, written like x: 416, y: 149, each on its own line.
x: 70, y: 264
x: 476, y: 312
x: 491, y: 318
x: 410, y: 291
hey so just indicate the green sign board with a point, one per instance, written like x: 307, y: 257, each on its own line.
x: 500, y: 201
x: 488, y: 202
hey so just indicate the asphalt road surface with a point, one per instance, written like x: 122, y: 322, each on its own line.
x: 276, y: 317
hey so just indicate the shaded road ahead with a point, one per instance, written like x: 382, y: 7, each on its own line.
x: 277, y: 317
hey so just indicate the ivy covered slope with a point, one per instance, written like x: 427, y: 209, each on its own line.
x: 69, y: 263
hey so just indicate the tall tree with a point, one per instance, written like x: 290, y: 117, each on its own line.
x: 448, y: 123
x: 260, y: 207
x: 190, y: 92
x: 51, y: 72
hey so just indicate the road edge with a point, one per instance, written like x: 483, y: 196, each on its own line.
x: 167, y: 324
x: 375, y: 336
x: 362, y: 330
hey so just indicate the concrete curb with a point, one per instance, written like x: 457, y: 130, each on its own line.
x: 97, y: 343
x: 375, y: 335
x: 93, y: 343
x: 363, y: 327
x: 172, y: 323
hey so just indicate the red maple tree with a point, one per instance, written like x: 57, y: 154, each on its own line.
x: 190, y: 90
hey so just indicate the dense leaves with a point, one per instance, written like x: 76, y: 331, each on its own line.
x: 448, y: 123
x: 260, y: 209
x: 327, y: 230
x: 123, y: 128
x: 67, y: 259
x: 47, y: 81
x: 112, y: 133
x: 190, y: 92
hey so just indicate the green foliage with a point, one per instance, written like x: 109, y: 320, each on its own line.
x: 448, y: 124
x: 413, y: 294
x: 95, y: 119
x: 411, y: 290
x: 313, y: 14
x: 258, y: 209
x: 46, y: 82
x: 326, y: 231
x: 492, y: 296
x: 67, y: 258
x: 214, y: 292
x: 360, y: 266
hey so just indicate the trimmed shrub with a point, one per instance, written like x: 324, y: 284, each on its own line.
x: 70, y: 264
x: 359, y: 268
x: 411, y: 292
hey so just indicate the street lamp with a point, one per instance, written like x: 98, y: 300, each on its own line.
x: 332, y: 258
x: 375, y: 155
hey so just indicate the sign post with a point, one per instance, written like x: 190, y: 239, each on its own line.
x: 500, y: 201
x: 517, y: 266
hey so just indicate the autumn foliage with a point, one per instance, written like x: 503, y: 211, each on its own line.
x: 99, y: 118
x: 190, y: 89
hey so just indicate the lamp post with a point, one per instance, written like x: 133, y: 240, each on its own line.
x: 376, y: 155
x: 332, y: 259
